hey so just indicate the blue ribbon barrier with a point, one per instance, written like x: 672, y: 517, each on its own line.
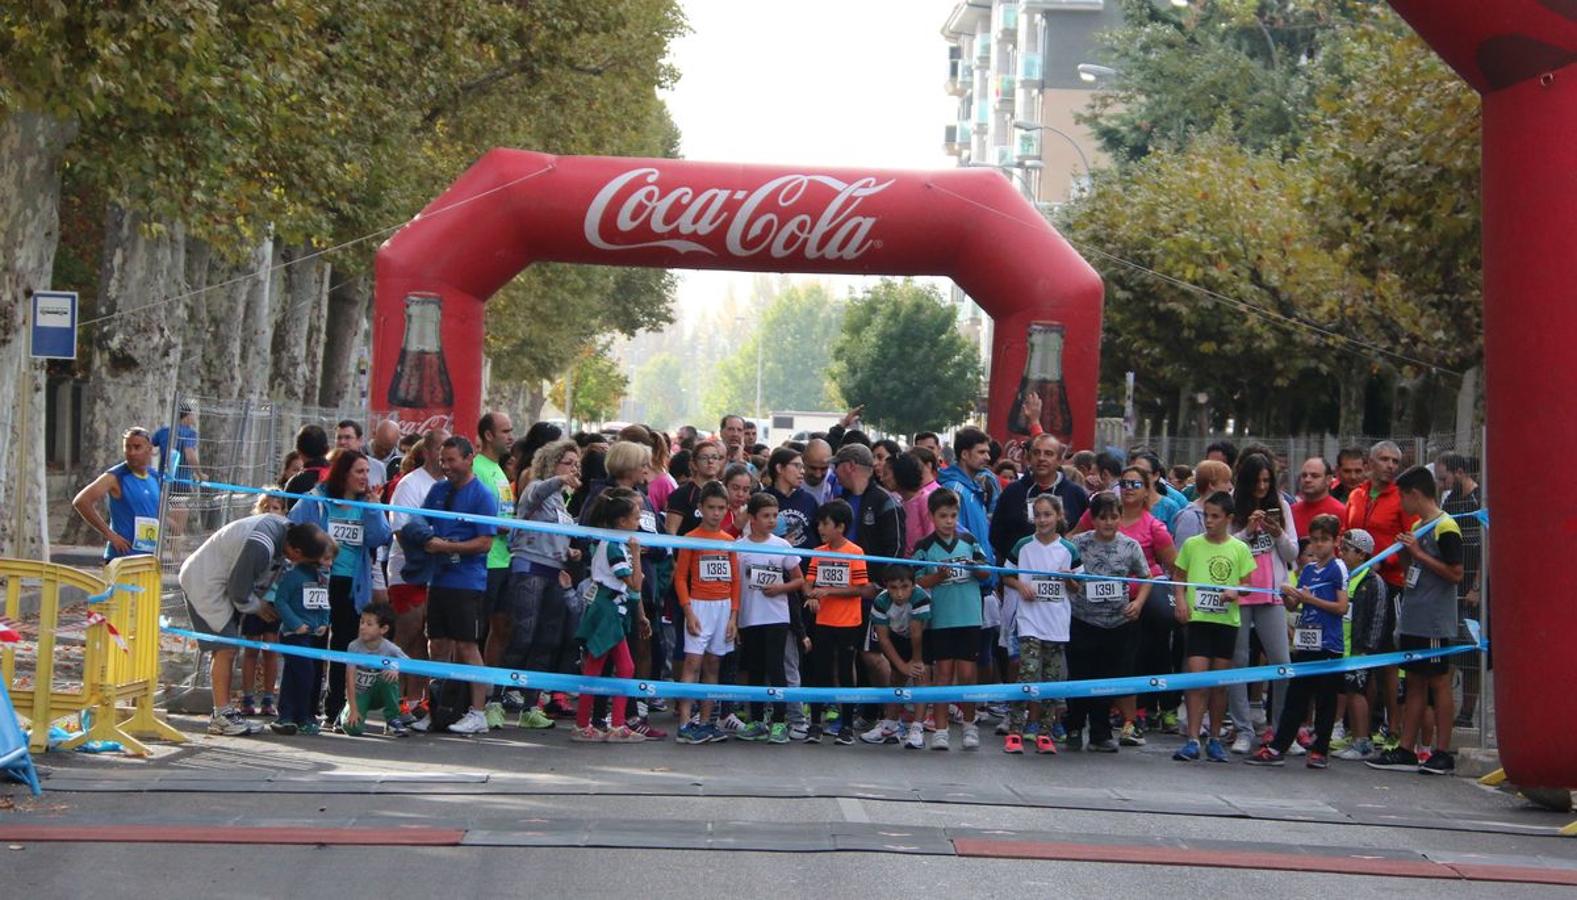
x: 673, y: 542
x: 982, y: 693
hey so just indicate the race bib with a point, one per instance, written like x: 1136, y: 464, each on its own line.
x: 345, y: 532
x: 1209, y: 600
x: 1306, y: 639
x: 765, y: 576
x: 588, y: 590
x: 649, y: 521
x: 315, y: 598
x: 565, y: 518
x: 1051, y: 589
x: 1413, y: 572
x: 1104, y: 591
x: 955, y: 575
x: 832, y: 574
x: 717, y: 568
x: 1262, y: 543
x: 145, y: 534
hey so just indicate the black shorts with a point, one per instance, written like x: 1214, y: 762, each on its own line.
x: 1211, y: 640
x: 1355, y: 682
x: 255, y: 626
x: 900, y: 642
x: 962, y: 644
x: 496, y: 598
x: 1435, y: 665
x: 454, y: 614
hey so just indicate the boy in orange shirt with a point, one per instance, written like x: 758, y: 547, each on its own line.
x: 834, y: 601
x: 707, y: 582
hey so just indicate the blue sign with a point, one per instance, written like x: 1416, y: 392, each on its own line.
x: 54, y: 325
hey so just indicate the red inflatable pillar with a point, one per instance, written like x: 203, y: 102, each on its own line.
x: 1519, y: 55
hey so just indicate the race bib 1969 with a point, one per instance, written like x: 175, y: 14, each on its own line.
x: 832, y: 574
x: 1209, y: 600
x: 315, y: 598
x: 717, y: 568
x: 1103, y: 591
x: 345, y: 532
x: 1306, y: 639
x: 1051, y: 589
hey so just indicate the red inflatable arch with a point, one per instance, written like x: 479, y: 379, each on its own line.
x: 514, y: 208
x: 1519, y: 55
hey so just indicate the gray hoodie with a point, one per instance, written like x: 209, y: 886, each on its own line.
x: 541, y: 501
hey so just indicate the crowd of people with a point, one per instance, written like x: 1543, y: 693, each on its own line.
x: 1034, y: 565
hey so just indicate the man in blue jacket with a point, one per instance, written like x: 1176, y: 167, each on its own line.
x: 972, y: 448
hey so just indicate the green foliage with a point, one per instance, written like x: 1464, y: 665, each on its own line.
x: 794, y: 334
x: 599, y: 386
x: 902, y: 356
x: 658, y: 389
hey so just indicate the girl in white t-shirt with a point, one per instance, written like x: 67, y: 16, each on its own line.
x: 1041, y: 619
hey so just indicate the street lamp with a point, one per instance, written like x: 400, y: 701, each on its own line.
x: 1091, y: 73
x: 1025, y: 125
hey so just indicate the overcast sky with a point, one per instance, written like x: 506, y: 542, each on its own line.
x: 815, y: 82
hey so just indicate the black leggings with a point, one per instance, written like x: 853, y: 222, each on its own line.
x: 761, y: 654
x: 1095, y: 652
x: 1324, y: 689
x: 344, y: 622
x: 833, y: 653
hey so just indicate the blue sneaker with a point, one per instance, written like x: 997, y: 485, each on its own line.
x: 753, y: 731
x: 714, y: 734
x: 691, y: 733
x: 1189, y: 752
x: 1058, y: 732
x: 1215, y: 752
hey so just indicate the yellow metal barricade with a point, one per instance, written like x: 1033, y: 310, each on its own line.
x: 111, y: 675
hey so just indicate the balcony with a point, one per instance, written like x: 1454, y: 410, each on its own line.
x: 1007, y: 21
x: 1026, y: 145
x: 982, y: 48
x: 960, y: 77
x: 1002, y: 90
x: 1030, y: 69
x: 1063, y: 5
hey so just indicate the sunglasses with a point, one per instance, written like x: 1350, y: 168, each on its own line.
x: 1130, y: 485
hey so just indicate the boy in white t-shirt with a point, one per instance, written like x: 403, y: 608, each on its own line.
x: 768, y: 577
x: 1041, y: 621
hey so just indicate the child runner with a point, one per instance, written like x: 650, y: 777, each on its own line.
x: 707, y: 582
x: 1428, y: 621
x: 834, y: 600
x: 1104, y: 637
x: 1042, y: 620
x: 952, y: 642
x: 899, y: 616
x: 369, y: 688
x: 302, y: 600
x: 612, y: 616
x: 1369, y: 614
x: 1321, y: 594
x: 255, y: 627
x: 769, y: 578
x: 1210, y: 617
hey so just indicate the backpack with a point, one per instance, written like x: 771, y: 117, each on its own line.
x: 448, y: 700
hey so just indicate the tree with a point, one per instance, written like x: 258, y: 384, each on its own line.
x: 900, y: 354
x: 794, y: 334
x: 658, y: 390
x: 599, y: 386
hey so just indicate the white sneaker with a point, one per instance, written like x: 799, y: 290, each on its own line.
x: 422, y: 724
x: 1359, y: 750
x: 228, y: 722
x: 473, y: 722
x: 916, y: 740
x: 1339, y: 732
x: 885, y: 732
x: 1243, y: 744
x: 731, y: 724
x: 1297, y: 749
x: 939, y: 740
x: 971, y: 737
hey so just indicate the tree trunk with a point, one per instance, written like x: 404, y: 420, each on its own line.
x: 214, y: 353
x: 1467, y: 422
x: 257, y: 325
x: 137, y: 354
x: 30, y: 150
x: 1353, y: 382
x: 342, y: 340
x: 536, y: 398
x: 297, y: 356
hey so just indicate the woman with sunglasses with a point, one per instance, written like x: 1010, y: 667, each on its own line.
x: 1136, y: 522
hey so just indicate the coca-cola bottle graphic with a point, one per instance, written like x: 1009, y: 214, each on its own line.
x: 421, y: 378
x: 1043, y: 376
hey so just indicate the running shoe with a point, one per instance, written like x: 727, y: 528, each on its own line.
x: 1338, y: 732
x: 643, y: 727
x: 558, y: 708
x: 625, y: 736
x: 798, y: 732
x: 691, y: 733
x: 754, y: 731
x: 397, y: 727
x: 971, y: 737
x: 1058, y: 732
x: 1074, y: 739
x: 1440, y: 762
x: 1359, y: 750
x: 844, y: 737
x: 310, y: 729
x: 862, y: 724
x: 1266, y: 755
x: 657, y: 704
x: 1170, y: 724
x: 473, y: 722
x: 1044, y: 745
x: 778, y: 733
x: 493, y: 715
x: 930, y: 723
x: 1317, y: 760
x: 1130, y: 736
x: 1005, y: 726
x: 1215, y: 752
x: 1189, y: 752
x: 588, y: 735
x: 281, y: 728
x: 1013, y: 743
x: 1305, y: 737
x: 813, y: 734
x: 422, y: 725
x: 715, y: 735
x: 1243, y: 743
x: 939, y: 740
x: 1104, y: 745
x: 885, y: 732
x: 732, y: 724
x: 535, y: 719
x: 1297, y: 749
x: 513, y: 701
x: 916, y: 737
x: 1398, y: 760
x: 229, y: 723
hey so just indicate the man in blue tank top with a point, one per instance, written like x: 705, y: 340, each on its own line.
x: 132, y: 488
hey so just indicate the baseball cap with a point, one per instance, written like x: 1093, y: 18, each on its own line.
x: 859, y: 454
x: 1361, y: 540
